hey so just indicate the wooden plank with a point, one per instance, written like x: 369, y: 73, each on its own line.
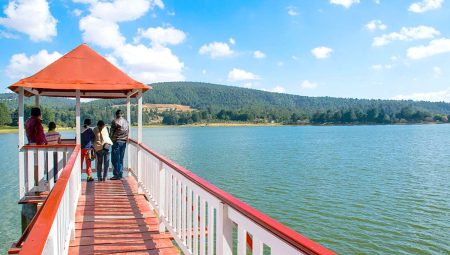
x: 112, y: 218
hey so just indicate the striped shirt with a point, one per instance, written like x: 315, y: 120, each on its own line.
x: 52, y: 137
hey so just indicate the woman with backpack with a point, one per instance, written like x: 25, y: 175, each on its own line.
x: 102, y: 145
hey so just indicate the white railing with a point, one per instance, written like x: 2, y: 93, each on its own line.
x: 37, y: 165
x: 204, y: 219
x: 54, y: 226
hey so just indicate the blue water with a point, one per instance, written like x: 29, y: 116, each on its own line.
x: 354, y: 189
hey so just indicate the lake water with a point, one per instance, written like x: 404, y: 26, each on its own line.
x: 354, y: 189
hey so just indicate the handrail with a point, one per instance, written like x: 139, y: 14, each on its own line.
x: 37, y: 238
x: 60, y: 145
x: 288, y: 235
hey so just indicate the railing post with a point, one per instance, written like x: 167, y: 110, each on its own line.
x: 224, y: 231
x: 162, y: 198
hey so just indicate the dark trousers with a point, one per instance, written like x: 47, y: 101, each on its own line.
x: 118, y: 153
x: 102, y: 163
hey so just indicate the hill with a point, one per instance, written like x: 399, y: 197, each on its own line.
x: 218, y: 103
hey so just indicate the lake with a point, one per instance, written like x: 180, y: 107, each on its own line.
x: 354, y: 189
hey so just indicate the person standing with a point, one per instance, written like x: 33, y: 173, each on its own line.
x: 120, y: 130
x: 87, y: 142
x: 34, y: 130
x: 102, y: 144
x: 53, y: 138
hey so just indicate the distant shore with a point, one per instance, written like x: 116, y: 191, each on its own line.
x: 7, y: 129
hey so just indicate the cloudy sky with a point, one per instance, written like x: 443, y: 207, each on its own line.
x: 344, y: 48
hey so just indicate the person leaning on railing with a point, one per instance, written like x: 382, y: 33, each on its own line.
x: 34, y: 130
x: 102, y: 145
x: 53, y: 138
x: 87, y: 141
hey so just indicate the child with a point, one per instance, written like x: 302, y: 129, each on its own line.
x: 52, y: 137
x: 87, y: 141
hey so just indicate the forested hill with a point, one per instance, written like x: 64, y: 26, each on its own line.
x: 203, y: 95
x: 221, y: 103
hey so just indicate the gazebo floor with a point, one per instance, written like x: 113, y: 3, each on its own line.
x: 112, y: 218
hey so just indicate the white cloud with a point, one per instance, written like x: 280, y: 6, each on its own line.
x: 375, y: 25
x: 259, y: 54
x: 345, y: 3
x: 425, y: 5
x: 162, y: 36
x: 280, y: 63
x: 232, y: 41
x: 241, y: 75
x: 322, y: 52
x: 4, y: 34
x: 120, y: 10
x: 204, y: 71
x: 377, y: 1
x: 379, y: 66
x: 434, y: 96
x: 20, y: 65
x: 437, y: 71
x: 406, y: 34
x: 435, y: 47
x: 145, y: 63
x: 292, y: 11
x: 278, y: 89
x: 77, y: 12
x: 216, y: 50
x: 308, y: 85
x: 101, y: 32
x: 31, y: 17
x: 150, y: 64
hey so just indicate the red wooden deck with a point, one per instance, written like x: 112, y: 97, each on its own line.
x: 112, y: 218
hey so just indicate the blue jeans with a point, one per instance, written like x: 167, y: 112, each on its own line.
x: 118, y: 153
x: 102, y: 163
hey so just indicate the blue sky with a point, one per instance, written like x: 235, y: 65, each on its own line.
x: 343, y: 48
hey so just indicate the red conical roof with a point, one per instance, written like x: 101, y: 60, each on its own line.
x: 81, y: 69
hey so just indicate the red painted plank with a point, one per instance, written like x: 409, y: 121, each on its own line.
x: 112, y: 218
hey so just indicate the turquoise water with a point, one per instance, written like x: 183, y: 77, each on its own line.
x: 354, y: 189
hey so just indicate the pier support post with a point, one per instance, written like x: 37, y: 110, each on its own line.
x: 139, y: 139
x: 77, y: 117
x: 129, y: 122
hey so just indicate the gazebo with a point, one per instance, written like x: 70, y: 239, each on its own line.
x: 81, y: 73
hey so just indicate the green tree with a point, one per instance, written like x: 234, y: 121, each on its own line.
x: 5, y: 115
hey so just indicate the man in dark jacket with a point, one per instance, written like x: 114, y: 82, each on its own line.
x: 34, y: 129
x: 120, y: 130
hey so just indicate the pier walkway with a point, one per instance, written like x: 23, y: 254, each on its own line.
x: 112, y: 217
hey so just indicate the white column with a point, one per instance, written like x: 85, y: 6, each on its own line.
x: 140, y: 116
x: 129, y: 122
x: 77, y: 114
x: 37, y: 100
x: 20, y: 123
x: 139, y: 139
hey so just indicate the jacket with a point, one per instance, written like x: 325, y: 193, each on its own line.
x: 120, y: 129
x: 87, y: 138
x: 100, y: 138
x: 35, y: 131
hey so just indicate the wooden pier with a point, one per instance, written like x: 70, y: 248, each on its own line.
x: 112, y: 217
x: 160, y: 203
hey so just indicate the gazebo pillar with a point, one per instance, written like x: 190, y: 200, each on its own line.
x: 77, y: 117
x: 37, y: 100
x: 129, y: 122
x: 139, y: 139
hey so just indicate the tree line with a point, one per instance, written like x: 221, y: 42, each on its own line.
x: 65, y: 117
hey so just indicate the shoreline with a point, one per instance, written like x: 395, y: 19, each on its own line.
x: 8, y: 130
